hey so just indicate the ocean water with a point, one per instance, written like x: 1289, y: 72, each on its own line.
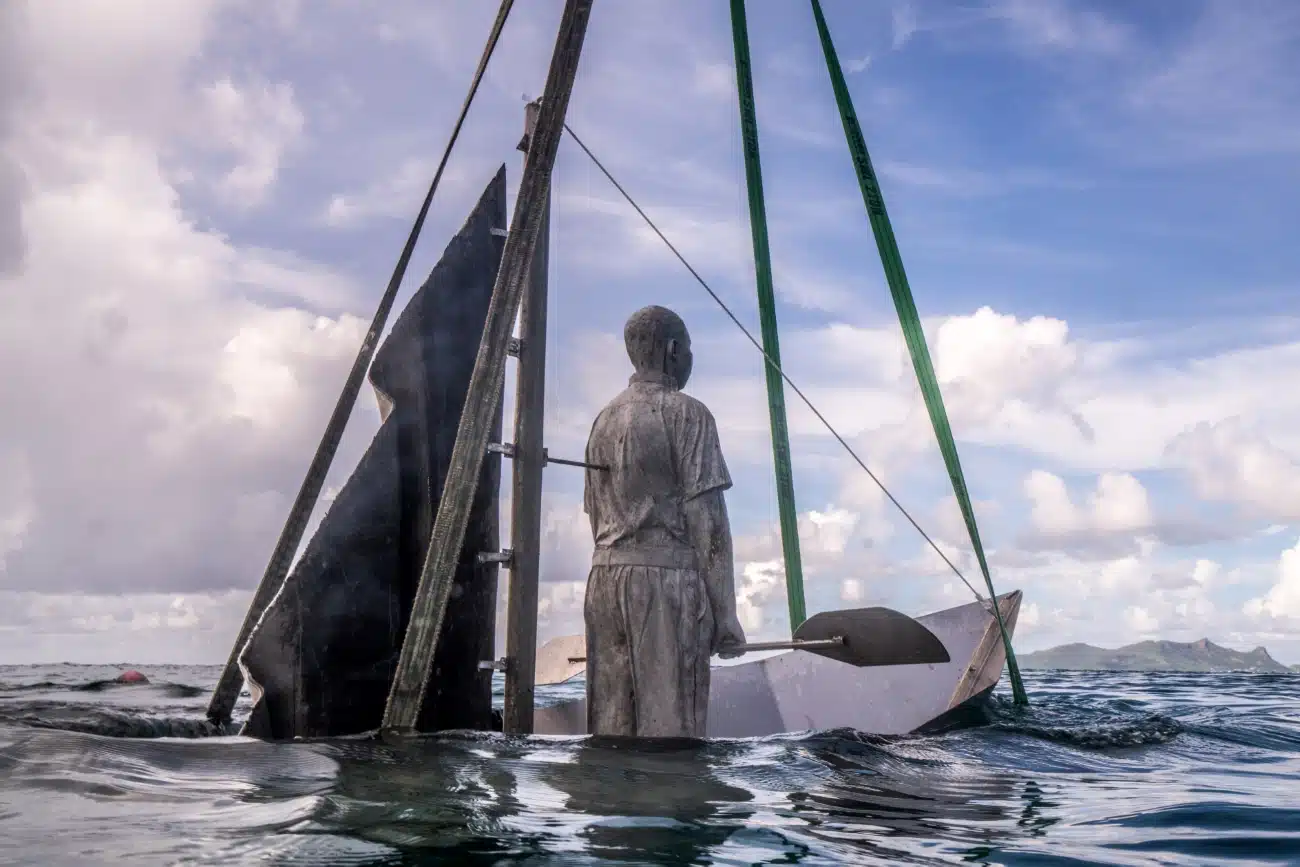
x: 1103, y: 768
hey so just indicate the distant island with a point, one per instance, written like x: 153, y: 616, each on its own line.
x: 1203, y: 655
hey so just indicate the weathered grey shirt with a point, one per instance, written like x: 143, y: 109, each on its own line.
x: 661, y: 447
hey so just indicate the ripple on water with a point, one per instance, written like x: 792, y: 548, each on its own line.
x: 1101, y: 768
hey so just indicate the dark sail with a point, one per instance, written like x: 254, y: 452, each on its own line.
x: 322, y: 658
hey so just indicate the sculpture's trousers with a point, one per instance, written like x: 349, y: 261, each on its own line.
x: 649, y: 637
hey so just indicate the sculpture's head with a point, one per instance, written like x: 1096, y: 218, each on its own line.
x: 658, y: 342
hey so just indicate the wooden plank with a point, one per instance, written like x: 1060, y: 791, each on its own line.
x: 526, y: 491
x: 416, y: 660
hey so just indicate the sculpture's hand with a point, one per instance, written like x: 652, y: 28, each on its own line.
x: 728, y: 636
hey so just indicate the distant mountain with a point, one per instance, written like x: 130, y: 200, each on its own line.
x: 1203, y: 655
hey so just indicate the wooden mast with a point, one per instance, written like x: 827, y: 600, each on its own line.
x: 526, y: 491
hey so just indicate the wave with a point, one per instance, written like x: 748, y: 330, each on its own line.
x: 1139, y: 769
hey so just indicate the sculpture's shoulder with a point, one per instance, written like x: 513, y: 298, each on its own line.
x: 617, y: 404
x: 612, y: 414
x: 689, y: 409
x: 679, y: 410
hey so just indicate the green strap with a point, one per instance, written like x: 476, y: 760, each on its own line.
x: 911, y: 323
x: 767, y: 318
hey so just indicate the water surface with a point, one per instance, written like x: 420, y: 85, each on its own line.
x: 1103, y: 768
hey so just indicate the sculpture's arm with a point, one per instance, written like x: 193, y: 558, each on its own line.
x: 710, y: 531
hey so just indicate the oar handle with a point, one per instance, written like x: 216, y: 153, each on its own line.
x: 813, y: 644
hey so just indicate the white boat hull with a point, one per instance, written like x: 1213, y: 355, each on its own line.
x: 796, y: 691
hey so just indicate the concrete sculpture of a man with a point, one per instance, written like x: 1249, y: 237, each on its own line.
x: 661, y: 593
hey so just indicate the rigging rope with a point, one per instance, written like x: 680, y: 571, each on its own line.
x: 911, y: 324
x: 227, y: 690
x: 767, y: 318
x: 771, y: 362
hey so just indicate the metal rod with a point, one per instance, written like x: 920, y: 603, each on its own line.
x: 837, y: 641
x: 508, y: 450
x: 598, y: 467
x: 817, y: 643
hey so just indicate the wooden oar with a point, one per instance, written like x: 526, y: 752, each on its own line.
x: 860, y: 637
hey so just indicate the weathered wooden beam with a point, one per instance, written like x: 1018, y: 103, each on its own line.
x: 526, y: 493
x: 416, y: 659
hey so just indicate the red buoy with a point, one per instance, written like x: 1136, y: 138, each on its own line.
x: 132, y: 676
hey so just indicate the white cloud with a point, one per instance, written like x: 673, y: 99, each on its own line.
x: 257, y: 123
x: 260, y: 366
x: 1236, y: 463
x: 559, y: 610
x: 1058, y: 25
x: 13, y: 102
x: 995, y: 370
x: 139, y: 628
x: 758, y: 585
x: 1140, y: 620
x: 1227, y: 89
x: 1030, y: 617
x: 904, y: 23
x: 114, y: 66
x: 171, y: 409
x: 397, y: 193
x: 851, y: 591
x: 1148, y: 593
x: 1118, y: 506
x: 716, y: 80
x: 1051, y: 508
x: 1283, y: 600
x: 180, y: 375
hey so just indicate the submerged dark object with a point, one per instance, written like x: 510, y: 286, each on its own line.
x: 321, y: 660
x: 130, y: 676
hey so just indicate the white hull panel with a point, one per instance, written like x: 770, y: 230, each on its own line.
x: 798, y: 691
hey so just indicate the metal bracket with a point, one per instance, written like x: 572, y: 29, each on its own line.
x: 502, y: 665
x: 504, y: 449
x: 505, y: 557
x: 531, y: 111
x: 513, y: 346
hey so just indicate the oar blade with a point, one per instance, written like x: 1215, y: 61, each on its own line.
x: 873, y: 636
x: 553, y: 665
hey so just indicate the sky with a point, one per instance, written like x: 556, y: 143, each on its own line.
x: 201, y: 203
